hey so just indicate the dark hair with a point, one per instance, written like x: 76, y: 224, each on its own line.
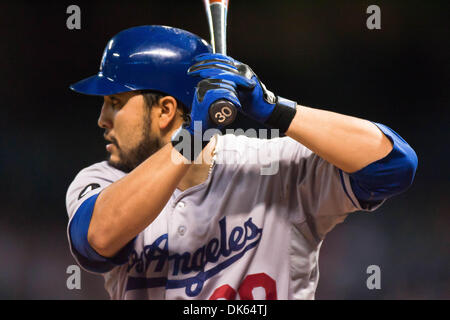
x: 152, y: 97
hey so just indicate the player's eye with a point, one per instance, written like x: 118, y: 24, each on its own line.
x: 115, y: 103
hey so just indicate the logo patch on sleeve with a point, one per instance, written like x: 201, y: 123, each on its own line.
x: 88, y: 189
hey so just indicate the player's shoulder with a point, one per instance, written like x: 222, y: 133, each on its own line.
x: 95, y: 173
x: 246, y: 142
x: 89, y: 181
x: 254, y: 154
x: 101, y: 170
x: 242, y: 145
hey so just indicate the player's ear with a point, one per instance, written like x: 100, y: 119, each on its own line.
x: 168, y: 111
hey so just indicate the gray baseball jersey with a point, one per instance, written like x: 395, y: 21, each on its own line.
x: 252, y: 230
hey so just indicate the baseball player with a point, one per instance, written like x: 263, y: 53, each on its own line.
x: 179, y: 211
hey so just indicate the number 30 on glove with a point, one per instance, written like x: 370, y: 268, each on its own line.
x: 208, y: 91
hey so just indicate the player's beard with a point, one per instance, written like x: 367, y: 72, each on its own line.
x: 134, y: 157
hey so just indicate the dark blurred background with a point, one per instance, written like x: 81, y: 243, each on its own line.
x: 319, y: 53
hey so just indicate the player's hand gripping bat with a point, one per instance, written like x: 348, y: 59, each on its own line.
x: 221, y: 112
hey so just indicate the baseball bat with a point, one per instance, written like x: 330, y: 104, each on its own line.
x: 221, y: 112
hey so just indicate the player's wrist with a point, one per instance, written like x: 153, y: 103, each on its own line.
x: 282, y: 115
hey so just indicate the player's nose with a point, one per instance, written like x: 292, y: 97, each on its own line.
x: 105, y: 119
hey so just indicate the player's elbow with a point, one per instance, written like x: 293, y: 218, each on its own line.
x: 101, y: 241
x: 395, y: 173
x: 398, y: 174
x: 408, y: 170
x: 387, y: 177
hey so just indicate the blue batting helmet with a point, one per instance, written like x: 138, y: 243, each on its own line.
x: 147, y: 58
x: 152, y: 58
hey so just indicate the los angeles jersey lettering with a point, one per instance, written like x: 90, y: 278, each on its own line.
x: 252, y: 230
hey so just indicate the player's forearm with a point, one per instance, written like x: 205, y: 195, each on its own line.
x: 347, y: 142
x: 128, y: 206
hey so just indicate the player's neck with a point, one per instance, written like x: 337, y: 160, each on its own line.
x: 198, y: 172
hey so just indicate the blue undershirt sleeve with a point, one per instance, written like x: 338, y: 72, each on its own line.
x: 86, y: 255
x: 388, y: 176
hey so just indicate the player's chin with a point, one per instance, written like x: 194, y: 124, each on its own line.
x: 114, y: 158
x: 112, y: 154
x: 115, y: 161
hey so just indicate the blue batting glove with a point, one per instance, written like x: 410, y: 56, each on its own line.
x: 208, y: 91
x: 257, y: 101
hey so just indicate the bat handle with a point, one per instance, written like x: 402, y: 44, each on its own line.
x: 222, y: 112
